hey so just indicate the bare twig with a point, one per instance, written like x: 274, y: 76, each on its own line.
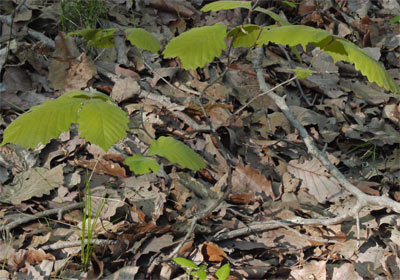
x: 183, y: 241
x: 29, y: 218
x: 274, y: 224
x: 297, y: 80
x: 78, y: 243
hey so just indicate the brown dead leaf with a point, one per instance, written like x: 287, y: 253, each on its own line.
x: 345, y: 271
x: 124, y: 88
x: 312, y: 270
x: 39, y: 240
x: 306, y: 7
x: 30, y: 256
x: 16, y: 79
x: 392, y: 112
x: 212, y: 253
x: 80, y: 73
x: 247, y: 180
x: 102, y: 167
x: 315, y: 178
x: 35, y: 182
x: 181, y: 7
x: 126, y: 73
x: 290, y: 184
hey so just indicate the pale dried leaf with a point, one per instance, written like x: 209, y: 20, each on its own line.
x: 34, y: 182
x: 312, y: 270
x: 247, y: 180
x: 124, y: 88
x: 316, y: 179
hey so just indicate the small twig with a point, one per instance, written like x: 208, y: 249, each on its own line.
x: 268, y: 225
x: 78, y: 243
x: 266, y: 92
x: 142, y: 122
x: 42, y: 214
x: 182, y: 242
x: 316, y: 239
x: 297, y: 80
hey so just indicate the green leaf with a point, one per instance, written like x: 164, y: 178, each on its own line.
x: 338, y: 48
x: 290, y: 4
x: 244, y: 36
x: 225, y: 5
x: 302, y: 73
x: 142, y: 39
x: 223, y: 272
x: 273, y: 15
x: 102, y: 123
x: 98, y: 38
x: 197, y: 46
x: 185, y: 262
x: 293, y: 35
x: 363, y: 62
x: 201, y: 273
x: 99, y: 121
x: 176, y: 152
x: 395, y: 19
x: 141, y: 165
x: 43, y: 122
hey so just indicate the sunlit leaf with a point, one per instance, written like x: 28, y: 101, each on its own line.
x: 197, y: 46
x: 338, y: 48
x: 98, y: 38
x: 142, y: 165
x: 395, y: 19
x: 43, y: 122
x: 102, y: 123
x: 201, y: 273
x: 363, y: 62
x: 176, y: 152
x: 244, y: 36
x: 142, y: 39
x: 225, y: 5
x: 302, y: 73
x: 223, y: 272
x: 293, y: 35
x: 290, y: 4
x: 185, y: 262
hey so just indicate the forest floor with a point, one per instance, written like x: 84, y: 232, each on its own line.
x: 264, y: 204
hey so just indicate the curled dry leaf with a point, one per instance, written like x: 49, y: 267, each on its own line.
x: 212, y: 252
